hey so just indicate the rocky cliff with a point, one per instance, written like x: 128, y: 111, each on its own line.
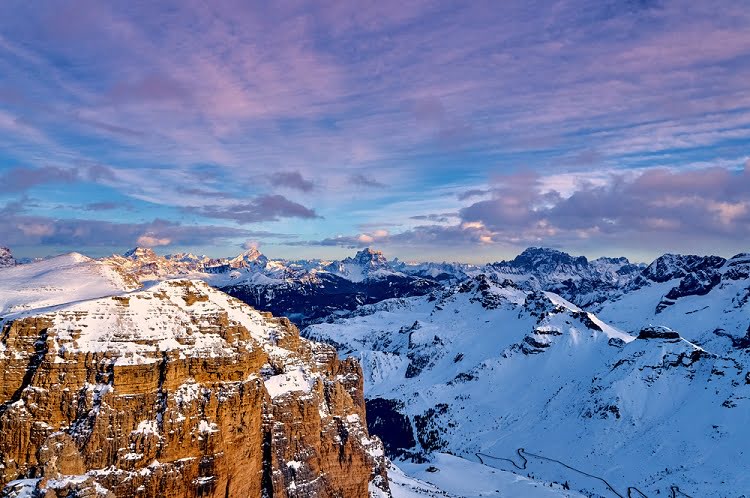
x: 178, y: 390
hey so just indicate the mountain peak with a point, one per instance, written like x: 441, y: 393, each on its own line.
x: 247, y: 258
x: 670, y: 266
x: 184, y: 257
x: 140, y: 253
x: 534, y: 257
x: 369, y: 257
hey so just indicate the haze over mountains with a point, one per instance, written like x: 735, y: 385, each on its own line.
x: 595, y: 377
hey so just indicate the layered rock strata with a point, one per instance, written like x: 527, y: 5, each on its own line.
x: 178, y: 390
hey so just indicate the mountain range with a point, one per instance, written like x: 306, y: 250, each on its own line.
x: 544, y: 375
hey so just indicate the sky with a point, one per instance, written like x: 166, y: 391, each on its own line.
x: 459, y: 131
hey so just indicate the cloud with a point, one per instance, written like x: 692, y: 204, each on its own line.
x: 350, y: 241
x: 292, y: 180
x: 437, y: 218
x: 250, y: 244
x: 149, y: 240
x: 335, y: 93
x: 204, y: 193
x: 103, y: 206
x: 651, y: 209
x: 475, y: 192
x: 362, y: 180
x: 15, y: 207
x: 262, y: 208
x: 149, y: 87
x: 20, y: 179
x: 663, y: 205
x: 81, y: 234
x: 428, y: 236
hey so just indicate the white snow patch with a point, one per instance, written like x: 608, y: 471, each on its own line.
x: 292, y: 381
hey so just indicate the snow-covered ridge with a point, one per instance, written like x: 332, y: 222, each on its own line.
x: 134, y: 327
x: 573, y: 277
x: 56, y: 281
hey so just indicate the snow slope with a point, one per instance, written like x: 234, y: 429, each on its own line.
x: 154, y: 320
x: 454, y: 477
x: 529, y: 383
x: 707, y: 303
x: 55, y: 281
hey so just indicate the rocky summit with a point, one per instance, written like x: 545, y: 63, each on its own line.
x: 178, y: 390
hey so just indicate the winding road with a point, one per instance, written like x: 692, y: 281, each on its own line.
x: 675, y: 490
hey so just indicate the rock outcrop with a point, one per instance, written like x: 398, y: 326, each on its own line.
x: 6, y: 258
x: 179, y: 390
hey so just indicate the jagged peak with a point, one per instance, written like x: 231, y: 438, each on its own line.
x: 536, y: 256
x: 368, y: 256
x: 251, y: 256
x: 621, y: 260
x: 670, y: 266
x: 141, y: 253
x: 184, y: 256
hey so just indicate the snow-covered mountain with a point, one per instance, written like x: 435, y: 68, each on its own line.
x: 249, y: 259
x: 301, y: 290
x: 142, y: 426
x: 603, y: 376
x: 366, y: 264
x: 6, y: 258
x: 442, y: 272
x: 143, y: 264
x: 174, y: 390
x: 309, y: 290
x: 62, y: 279
x: 705, y: 298
x: 575, y: 278
x: 528, y: 382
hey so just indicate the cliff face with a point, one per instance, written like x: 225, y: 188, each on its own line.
x: 179, y: 391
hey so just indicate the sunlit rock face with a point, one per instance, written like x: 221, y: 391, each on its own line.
x: 178, y: 390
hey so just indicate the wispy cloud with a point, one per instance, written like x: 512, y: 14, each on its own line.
x: 241, y: 101
x: 21, y: 179
x: 293, y: 180
x: 262, y: 208
x: 666, y: 207
x: 39, y: 231
x: 362, y: 180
